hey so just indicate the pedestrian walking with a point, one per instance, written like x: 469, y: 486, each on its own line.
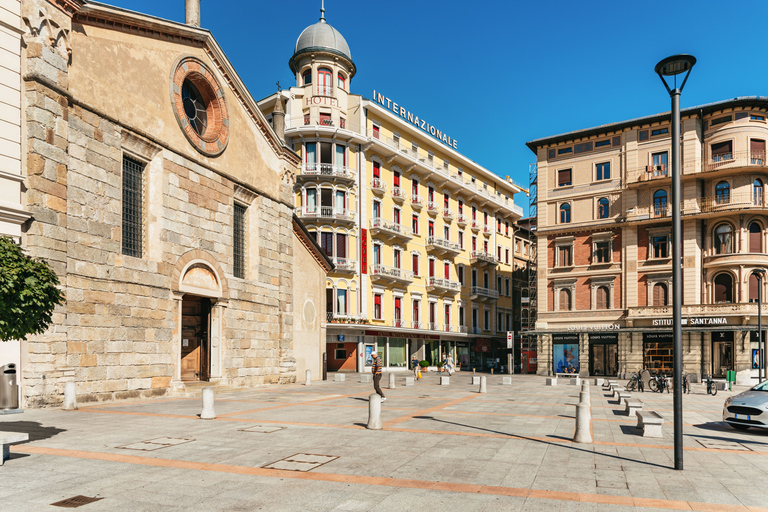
x: 443, y: 360
x: 376, y: 371
x: 448, y: 365
x: 415, y: 367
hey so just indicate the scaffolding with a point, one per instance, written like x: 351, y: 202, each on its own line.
x: 529, y: 340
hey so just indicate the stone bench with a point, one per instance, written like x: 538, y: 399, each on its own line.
x: 551, y: 381
x: 366, y: 378
x: 650, y: 422
x: 340, y: 377
x: 409, y: 380
x: 632, y: 406
x: 567, y: 375
x: 7, y: 439
x: 616, y: 390
x: 624, y: 395
x: 598, y: 382
x: 506, y: 381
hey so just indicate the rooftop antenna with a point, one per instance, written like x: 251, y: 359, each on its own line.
x: 322, y: 10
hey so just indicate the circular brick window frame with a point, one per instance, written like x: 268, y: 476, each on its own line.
x: 214, y: 139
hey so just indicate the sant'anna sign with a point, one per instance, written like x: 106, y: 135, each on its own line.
x: 420, y: 123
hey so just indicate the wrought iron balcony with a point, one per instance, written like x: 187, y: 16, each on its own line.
x: 441, y: 245
x: 398, y: 322
x: 390, y: 229
x: 433, y: 326
x: 480, y: 293
x: 398, y: 194
x: 327, y: 171
x: 343, y: 318
x: 325, y: 213
x: 483, y: 257
x: 417, y: 325
x: 463, y: 328
x: 439, y: 284
x: 392, y: 274
x: 378, y: 185
x: 448, y: 328
x: 344, y: 265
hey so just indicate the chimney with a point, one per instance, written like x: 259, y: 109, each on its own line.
x: 278, y: 118
x: 193, y: 12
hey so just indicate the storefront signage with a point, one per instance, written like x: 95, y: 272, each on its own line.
x: 565, y: 338
x: 595, y: 327
x: 390, y: 334
x: 662, y: 322
x: 604, y: 337
x: 483, y: 345
x: 408, y: 116
x: 322, y: 100
x: 364, y: 250
x: 341, y: 337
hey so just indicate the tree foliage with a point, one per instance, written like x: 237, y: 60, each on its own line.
x: 28, y: 293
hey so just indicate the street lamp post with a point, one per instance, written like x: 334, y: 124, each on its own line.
x: 759, y: 274
x: 672, y: 67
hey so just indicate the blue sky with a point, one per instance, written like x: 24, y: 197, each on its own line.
x: 496, y: 74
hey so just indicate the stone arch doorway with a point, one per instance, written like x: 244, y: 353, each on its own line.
x: 201, y: 293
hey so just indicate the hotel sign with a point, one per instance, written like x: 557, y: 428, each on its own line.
x: 414, y: 120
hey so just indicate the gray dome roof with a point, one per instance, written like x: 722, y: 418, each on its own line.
x: 322, y: 36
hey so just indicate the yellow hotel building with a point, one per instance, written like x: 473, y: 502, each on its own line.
x: 421, y: 236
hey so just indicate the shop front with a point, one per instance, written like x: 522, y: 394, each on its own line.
x: 722, y: 353
x: 657, y: 351
x: 603, y: 354
x: 565, y: 353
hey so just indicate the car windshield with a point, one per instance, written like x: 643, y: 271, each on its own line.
x: 763, y: 386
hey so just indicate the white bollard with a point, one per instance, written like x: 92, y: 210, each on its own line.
x: 366, y: 378
x: 308, y: 381
x: 482, y: 384
x: 445, y: 381
x: 70, y: 396
x: 374, y: 412
x: 208, y: 413
x: 391, y: 380
x: 506, y: 381
x: 584, y: 397
x: 409, y: 380
x: 585, y: 386
x: 583, y: 417
x: 475, y: 381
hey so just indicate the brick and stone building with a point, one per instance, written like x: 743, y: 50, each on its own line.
x: 164, y: 201
x: 604, y: 235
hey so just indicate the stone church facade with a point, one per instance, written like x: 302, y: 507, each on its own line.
x: 163, y: 199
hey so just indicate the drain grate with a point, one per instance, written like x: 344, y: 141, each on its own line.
x: 75, y: 501
x: 301, y: 462
x: 717, y: 444
x: 155, y: 444
x: 261, y: 429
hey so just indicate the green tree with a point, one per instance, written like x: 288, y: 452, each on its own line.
x: 28, y: 293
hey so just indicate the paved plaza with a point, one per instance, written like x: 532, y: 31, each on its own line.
x: 442, y: 448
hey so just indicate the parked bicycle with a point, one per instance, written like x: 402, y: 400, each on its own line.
x: 659, y: 382
x: 635, y: 383
x: 711, y: 385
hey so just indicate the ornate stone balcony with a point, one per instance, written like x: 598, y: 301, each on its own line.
x: 442, y: 246
x: 390, y: 229
x: 483, y: 258
x: 340, y: 172
x: 344, y: 265
x: 462, y: 220
x: 325, y: 213
x: 448, y: 214
x: 696, y: 310
x: 416, y: 202
x: 478, y: 293
x: 390, y: 274
x: 378, y: 186
x: 398, y: 194
x: 438, y: 284
x: 476, y: 226
x: 432, y: 208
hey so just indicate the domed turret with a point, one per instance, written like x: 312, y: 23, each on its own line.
x: 322, y: 38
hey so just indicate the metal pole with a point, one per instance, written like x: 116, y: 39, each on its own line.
x: 677, y: 298
x: 760, y: 341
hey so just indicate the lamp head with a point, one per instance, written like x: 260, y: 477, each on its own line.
x: 673, y: 66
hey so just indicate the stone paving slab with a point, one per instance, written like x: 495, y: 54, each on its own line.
x: 442, y: 448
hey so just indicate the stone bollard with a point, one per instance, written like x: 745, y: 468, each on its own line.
x: 475, y: 381
x: 308, y: 381
x: 391, y: 380
x: 583, y: 417
x: 70, y: 396
x: 473, y: 371
x: 374, y: 412
x: 584, y: 397
x: 491, y: 371
x: 339, y: 377
x: 585, y: 386
x: 208, y: 413
x: 366, y: 377
x: 445, y: 381
x: 482, y: 384
x: 506, y: 381
x: 409, y: 379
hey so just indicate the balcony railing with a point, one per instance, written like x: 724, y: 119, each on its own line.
x: 735, y: 159
x: 344, y: 264
x: 378, y: 185
x: 398, y: 322
x: 327, y: 170
x: 441, y: 284
x: 432, y: 207
x: 481, y: 292
x: 344, y: 318
x: 391, y: 273
x: 433, y: 326
x: 476, y: 226
x: 416, y: 202
x: 325, y: 212
x: 448, y: 214
x: 393, y: 229
x: 324, y: 90
x: 487, y: 230
x: 399, y: 194
x: 462, y: 220
x: 442, y: 245
x: 417, y: 325
x: 448, y: 328
x: 482, y: 257
x: 730, y: 160
x: 709, y: 204
x: 476, y: 330
x: 463, y: 328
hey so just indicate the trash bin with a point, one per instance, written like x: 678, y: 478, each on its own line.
x: 730, y: 376
x: 9, y: 387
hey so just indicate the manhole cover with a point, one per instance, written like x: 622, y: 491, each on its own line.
x: 261, y: 429
x: 155, y: 444
x: 301, y: 462
x: 76, y: 501
x: 717, y: 444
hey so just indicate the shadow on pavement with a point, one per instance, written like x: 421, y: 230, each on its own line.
x: 36, y: 431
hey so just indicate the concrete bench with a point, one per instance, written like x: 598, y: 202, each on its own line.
x: 624, y: 395
x: 616, y: 391
x: 366, y: 377
x: 340, y: 377
x: 409, y: 380
x: 632, y: 406
x: 650, y: 422
x: 598, y: 382
x: 506, y: 381
x: 567, y: 375
x: 7, y: 439
x: 551, y: 381
x: 445, y: 381
x: 575, y: 382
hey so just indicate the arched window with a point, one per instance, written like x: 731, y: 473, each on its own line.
x: 307, y: 76
x: 660, y: 203
x: 723, y: 193
x: 342, y: 82
x: 324, y: 82
x: 753, y: 288
x: 565, y: 299
x: 723, y: 239
x: 660, y: 294
x: 757, y: 193
x: 755, y: 237
x: 602, y: 208
x: 723, y: 288
x: 601, y: 297
x: 565, y: 213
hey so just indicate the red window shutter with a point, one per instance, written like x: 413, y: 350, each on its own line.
x: 757, y: 149
x: 396, y: 179
x: 447, y: 269
x: 376, y: 170
x: 377, y: 300
x: 415, y: 259
x: 431, y: 268
x: 397, y: 302
x: 755, y: 238
x: 753, y: 288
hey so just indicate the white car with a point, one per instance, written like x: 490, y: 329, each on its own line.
x: 748, y: 409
